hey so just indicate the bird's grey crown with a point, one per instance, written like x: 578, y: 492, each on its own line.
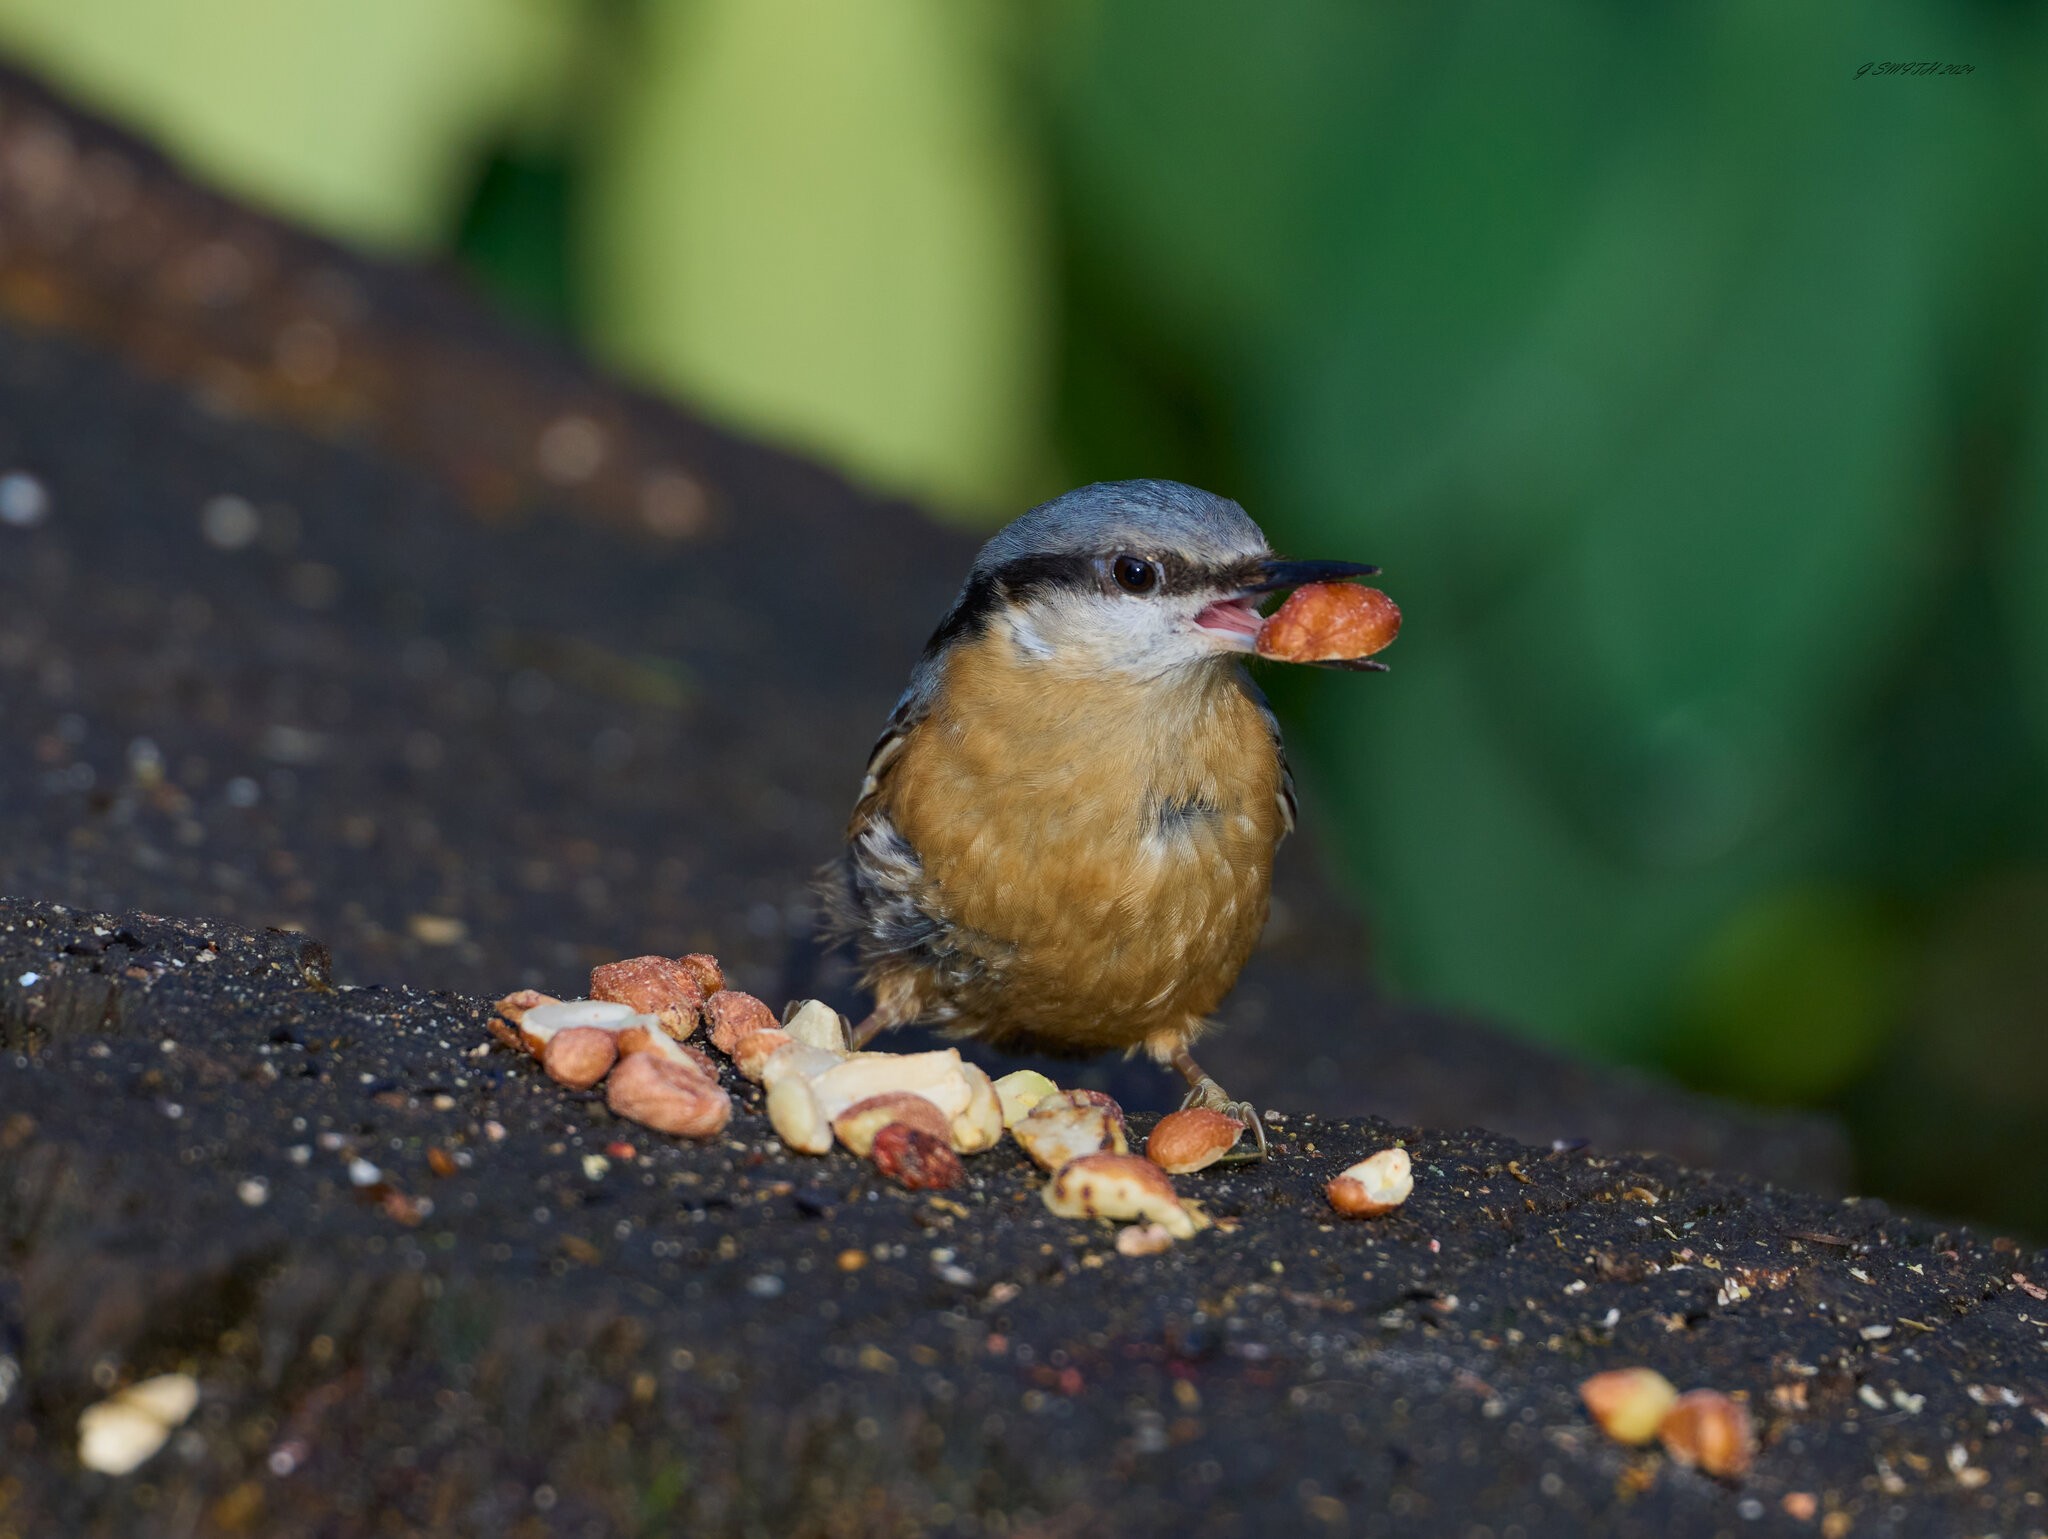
x: 1144, y: 516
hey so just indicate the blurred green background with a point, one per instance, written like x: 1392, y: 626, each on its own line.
x: 1689, y: 386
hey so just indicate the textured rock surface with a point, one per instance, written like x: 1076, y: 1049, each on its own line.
x: 730, y: 1338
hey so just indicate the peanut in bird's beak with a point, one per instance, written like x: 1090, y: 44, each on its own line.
x: 1238, y: 616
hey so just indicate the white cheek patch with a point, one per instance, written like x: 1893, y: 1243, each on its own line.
x: 1108, y: 634
x: 1024, y: 634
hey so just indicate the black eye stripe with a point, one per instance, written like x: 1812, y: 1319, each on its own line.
x: 1025, y: 577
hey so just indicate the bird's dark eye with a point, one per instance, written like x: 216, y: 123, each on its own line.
x: 1133, y: 574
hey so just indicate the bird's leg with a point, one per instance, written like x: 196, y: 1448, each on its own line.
x: 868, y: 1030
x: 1204, y: 1091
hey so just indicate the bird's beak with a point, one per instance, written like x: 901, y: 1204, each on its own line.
x: 1236, y: 619
x: 1271, y: 576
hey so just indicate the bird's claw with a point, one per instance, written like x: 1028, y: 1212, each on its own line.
x: 1212, y: 1097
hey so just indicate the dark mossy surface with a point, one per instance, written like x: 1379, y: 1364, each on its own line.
x: 559, y: 1337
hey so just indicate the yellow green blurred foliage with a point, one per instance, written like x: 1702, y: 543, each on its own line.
x: 821, y: 220
x: 364, y: 117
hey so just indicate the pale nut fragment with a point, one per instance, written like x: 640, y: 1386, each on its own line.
x: 796, y: 1116
x: 1119, y: 1186
x: 935, y: 1075
x: 731, y: 1015
x: 1068, y: 1126
x: 1119, y: 1142
x: 1629, y: 1403
x: 705, y: 968
x: 1710, y: 1431
x: 799, y: 1059
x: 541, y: 1022
x: 668, y: 1097
x: 580, y: 1056
x: 1191, y: 1139
x: 1142, y: 1240
x: 751, y: 1053
x: 857, y: 1126
x: 121, y: 1432
x: 1374, y: 1186
x: 658, y: 986
x: 980, y: 1125
x: 817, y: 1023
x: 1019, y: 1091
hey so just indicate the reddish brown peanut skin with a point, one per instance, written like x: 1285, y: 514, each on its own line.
x: 1329, y: 622
x: 656, y: 986
x: 511, y: 1010
x: 858, y: 1125
x: 732, y: 1015
x: 505, y: 1035
x: 703, y: 966
x: 1191, y: 1139
x: 513, y: 1006
x: 667, y: 1097
x: 1349, y: 1196
x: 753, y: 1051
x: 1710, y: 1431
x: 580, y: 1056
x: 916, y: 1159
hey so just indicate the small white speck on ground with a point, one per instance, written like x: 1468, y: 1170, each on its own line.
x: 24, y: 500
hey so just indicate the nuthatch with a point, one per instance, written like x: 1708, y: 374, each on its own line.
x: 1065, y: 839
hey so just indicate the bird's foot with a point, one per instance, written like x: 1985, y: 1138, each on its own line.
x: 1213, y: 1097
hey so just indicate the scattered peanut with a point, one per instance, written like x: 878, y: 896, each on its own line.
x: 817, y: 1023
x: 540, y: 1022
x: 1629, y: 1403
x: 1021, y: 1090
x: 751, y: 1053
x: 580, y: 1056
x: 1373, y: 1186
x: 1071, y: 1124
x: 857, y: 1126
x: 1192, y: 1139
x: 1142, y: 1240
x: 979, y: 1125
x: 668, y: 1097
x: 732, y: 1015
x: 511, y: 1011
x: 936, y: 1076
x: 798, y: 1058
x: 1710, y: 1431
x: 703, y: 967
x: 1119, y: 1186
x: 796, y: 1116
x: 656, y: 986
x: 121, y: 1432
x: 915, y: 1159
x: 645, y: 1034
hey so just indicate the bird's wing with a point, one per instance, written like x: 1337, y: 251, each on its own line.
x: 910, y: 710
x: 1285, y: 795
